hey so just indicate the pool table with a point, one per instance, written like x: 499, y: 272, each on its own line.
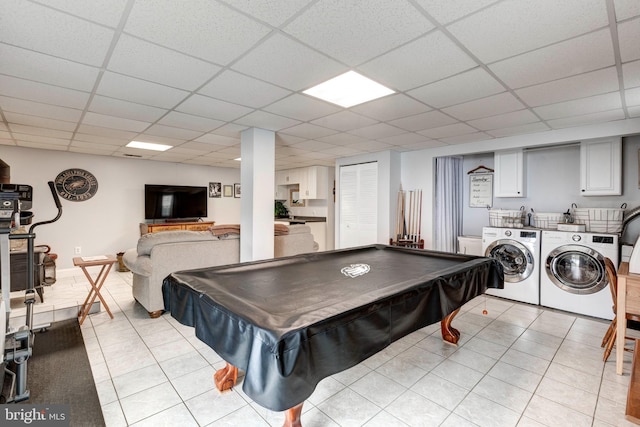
x: 290, y: 322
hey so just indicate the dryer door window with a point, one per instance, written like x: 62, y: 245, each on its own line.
x: 516, y: 259
x: 577, y: 269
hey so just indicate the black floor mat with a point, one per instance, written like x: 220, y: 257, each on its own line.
x: 59, y: 372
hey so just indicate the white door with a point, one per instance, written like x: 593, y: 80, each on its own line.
x: 358, y: 204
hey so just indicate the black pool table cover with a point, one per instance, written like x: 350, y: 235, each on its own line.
x: 290, y: 322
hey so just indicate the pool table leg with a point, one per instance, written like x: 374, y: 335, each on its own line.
x: 449, y: 333
x: 292, y: 416
x: 226, y: 377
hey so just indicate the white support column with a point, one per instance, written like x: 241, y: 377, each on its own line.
x: 257, y: 176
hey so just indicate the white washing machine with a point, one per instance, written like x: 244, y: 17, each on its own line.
x: 518, y: 250
x: 573, y: 276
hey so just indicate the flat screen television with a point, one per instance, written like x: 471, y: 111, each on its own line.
x: 174, y: 202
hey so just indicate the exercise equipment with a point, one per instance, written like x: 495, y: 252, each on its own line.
x: 17, y: 344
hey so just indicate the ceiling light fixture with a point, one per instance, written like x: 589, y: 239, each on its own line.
x: 148, y: 146
x: 349, y: 89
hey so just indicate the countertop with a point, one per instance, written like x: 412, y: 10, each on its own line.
x: 302, y: 219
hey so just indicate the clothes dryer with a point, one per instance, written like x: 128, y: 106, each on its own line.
x: 573, y: 276
x: 518, y: 250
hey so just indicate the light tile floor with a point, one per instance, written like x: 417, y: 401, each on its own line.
x: 519, y: 365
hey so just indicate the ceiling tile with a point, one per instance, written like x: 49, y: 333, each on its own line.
x: 379, y: 130
x: 188, y: 121
x: 273, y: 12
x: 104, y: 120
x: 342, y: 138
x: 518, y: 130
x: 103, y: 140
x: 391, y: 107
x: 147, y: 61
x: 586, y: 119
x: 172, y: 132
x: 629, y: 34
x: 371, y: 146
x: 244, y: 90
x: 634, y: 111
x: 463, y: 139
x: 632, y: 96
x: 344, y: 120
x: 139, y: 91
x: 354, y: 32
x: 346, y: 151
x: 43, y: 68
x: 107, y: 12
x: 504, y: 120
x: 264, y: 120
x: 422, y: 61
x: 144, y: 137
x: 202, y: 28
x: 606, y: 102
x: 42, y: 139
x: 212, y: 108
x: 45, y: 30
x: 37, y: 109
x: 581, y: 86
x: 403, y: 139
x: 626, y: 9
x: 485, y: 107
x: 423, y: 145
x: 302, y: 107
x: 289, y: 64
x: 41, y: 122
x: 308, y: 131
x: 124, y: 109
x: 423, y: 121
x: 40, y: 146
x: 230, y: 129
x: 213, y: 139
x: 513, y: 27
x: 106, y: 132
x: 631, y: 73
x: 575, y: 56
x: 313, y: 145
x: 448, y: 131
x: 39, y: 92
x: 32, y: 130
x: 100, y: 150
x: 451, y: 10
x: 463, y: 87
x: 92, y: 145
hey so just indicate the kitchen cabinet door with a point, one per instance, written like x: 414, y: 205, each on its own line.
x: 509, y: 173
x: 601, y: 167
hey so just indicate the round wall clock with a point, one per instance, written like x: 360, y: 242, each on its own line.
x: 76, y: 185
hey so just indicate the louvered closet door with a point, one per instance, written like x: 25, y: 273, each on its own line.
x: 358, y: 204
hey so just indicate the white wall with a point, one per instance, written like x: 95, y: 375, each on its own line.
x: 108, y: 222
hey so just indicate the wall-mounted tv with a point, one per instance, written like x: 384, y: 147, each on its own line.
x: 174, y: 202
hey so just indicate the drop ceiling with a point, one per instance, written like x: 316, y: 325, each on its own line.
x: 90, y: 76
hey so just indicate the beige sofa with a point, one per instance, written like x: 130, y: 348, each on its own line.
x: 160, y: 254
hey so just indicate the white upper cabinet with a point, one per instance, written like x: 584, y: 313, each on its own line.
x: 601, y: 167
x: 509, y: 173
x: 314, y: 184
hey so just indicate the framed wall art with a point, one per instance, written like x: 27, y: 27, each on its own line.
x: 228, y: 190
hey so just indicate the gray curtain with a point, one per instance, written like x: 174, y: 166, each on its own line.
x: 448, y: 206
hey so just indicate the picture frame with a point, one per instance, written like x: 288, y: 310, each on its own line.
x: 215, y: 189
x: 227, y: 190
x: 294, y: 197
x: 237, y: 190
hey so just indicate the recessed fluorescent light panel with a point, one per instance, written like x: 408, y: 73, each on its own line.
x: 148, y: 146
x: 349, y: 89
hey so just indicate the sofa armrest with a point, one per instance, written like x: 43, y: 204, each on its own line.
x: 138, y: 264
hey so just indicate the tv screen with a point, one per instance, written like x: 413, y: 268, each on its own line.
x: 174, y: 202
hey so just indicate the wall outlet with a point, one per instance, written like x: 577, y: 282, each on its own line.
x: 77, y: 250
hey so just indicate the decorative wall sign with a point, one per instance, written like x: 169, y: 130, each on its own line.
x: 481, y: 190
x: 76, y: 185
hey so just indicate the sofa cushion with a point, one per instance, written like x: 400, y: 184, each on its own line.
x: 148, y: 241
